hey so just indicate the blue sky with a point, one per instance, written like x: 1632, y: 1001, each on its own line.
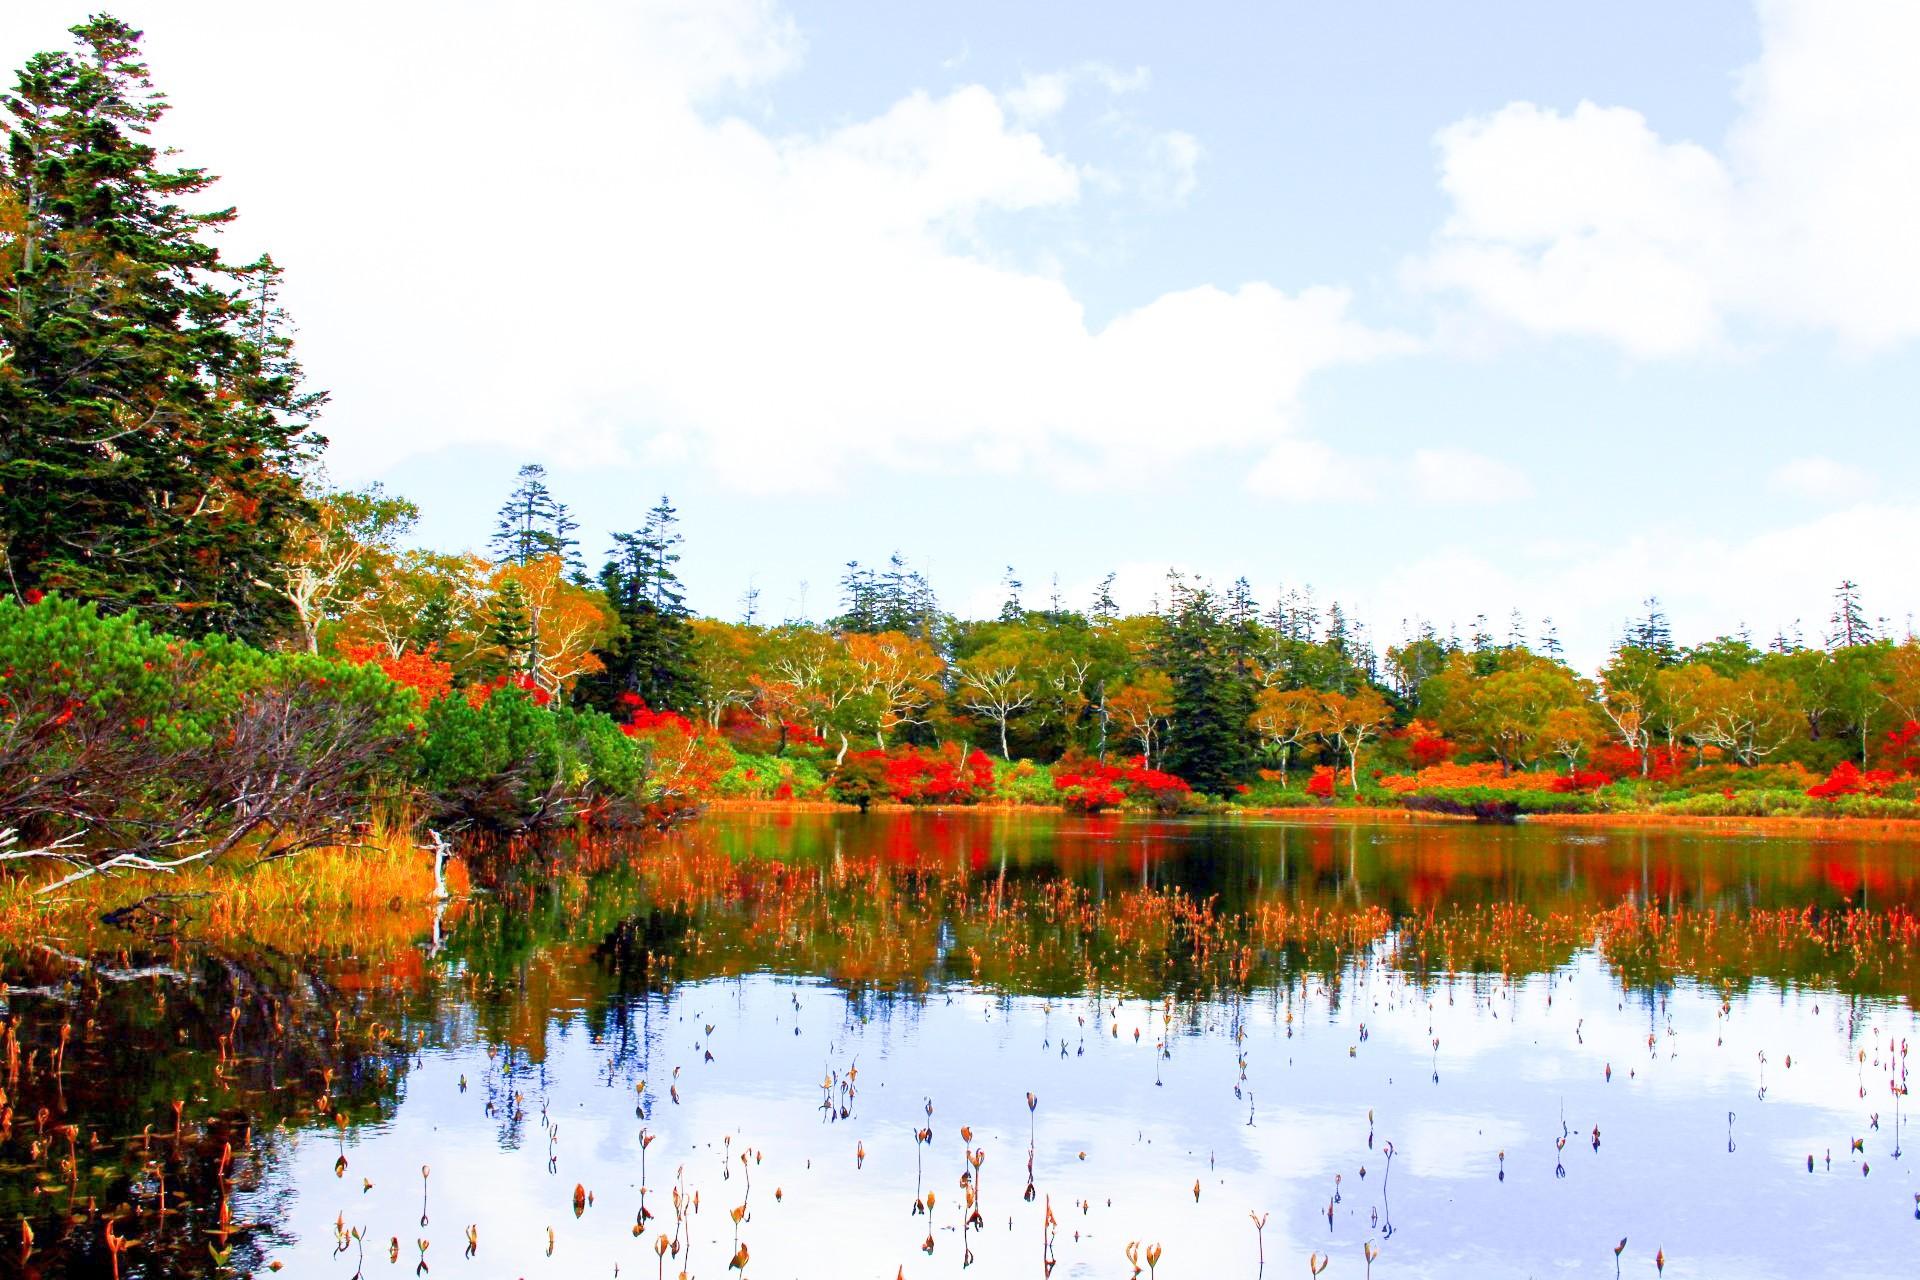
x: 1443, y: 309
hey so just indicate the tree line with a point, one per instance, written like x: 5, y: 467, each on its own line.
x: 159, y: 460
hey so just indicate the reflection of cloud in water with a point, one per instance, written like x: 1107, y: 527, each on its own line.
x: 1662, y: 1173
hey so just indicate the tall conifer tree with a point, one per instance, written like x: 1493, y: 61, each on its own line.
x: 652, y: 656
x: 152, y: 423
x: 534, y: 524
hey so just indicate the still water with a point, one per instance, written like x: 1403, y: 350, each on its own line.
x: 987, y: 1044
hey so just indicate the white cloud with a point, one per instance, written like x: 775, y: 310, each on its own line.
x: 620, y: 250
x: 1820, y: 479
x: 1457, y: 477
x: 1706, y: 585
x: 1589, y: 223
x: 1309, y: 471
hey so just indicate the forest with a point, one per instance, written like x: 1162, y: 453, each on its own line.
x: 206, y: 644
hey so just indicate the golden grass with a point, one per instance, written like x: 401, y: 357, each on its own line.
x: 1775, y: 825
x: 363, y: 895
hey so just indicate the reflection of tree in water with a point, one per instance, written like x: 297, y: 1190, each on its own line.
x: 594, y: 938
x: 180, y: 1066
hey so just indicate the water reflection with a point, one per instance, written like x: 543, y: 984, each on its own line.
x: 1566, y: 1036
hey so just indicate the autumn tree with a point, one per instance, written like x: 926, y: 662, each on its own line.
x: 1750, y: 715
x: 1505, y: 712
x: 1072, y: 662
x: 1629, y: 695
x: 1141, y: 708
x: 897, y: 678
x: 422, y: 602
x: 1349, y: 722
x: 1570, y: 732
x: 564, y: 623
x: 341, y: 556
x: 153, y: 425
x: 726, y: 658
x: 997, y: 681
x: 1284, y: 719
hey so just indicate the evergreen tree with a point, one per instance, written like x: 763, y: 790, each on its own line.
x: 901, y: 599
x: 859, y: 600
x: 1208, y: 741
x: 1011, y: 610
x: 1652, y: 634
x: 1849, y: 622
x: 510, y: 639
x: 652, y: 655
x: 1105, y: 607
x: 152, y: 423
x: 533, y: 523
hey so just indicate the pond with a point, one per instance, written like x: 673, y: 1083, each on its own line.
x: 930, y: 1044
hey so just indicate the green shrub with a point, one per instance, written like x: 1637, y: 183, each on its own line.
x: 1024, y: 782
x: 509, y: 764
x: 760, y: 777
x: 1744, y: 804
x: 136, y: 742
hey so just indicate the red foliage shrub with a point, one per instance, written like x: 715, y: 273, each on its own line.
x: 954, y: 775
x: 477, y: 694
x: 687, y: 761
x: 1663, y: 763
x: 1087, y: 786
x: 1580, y: 780
x: 1322, y: 783
x: 1847, y: 780
x: 1426, y: 748
x: 426, y: 675
x: 1900, y: 750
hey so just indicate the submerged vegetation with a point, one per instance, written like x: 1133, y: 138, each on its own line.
x: 170, y: 1071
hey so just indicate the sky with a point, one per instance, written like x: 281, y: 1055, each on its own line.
x: 1444, y: 310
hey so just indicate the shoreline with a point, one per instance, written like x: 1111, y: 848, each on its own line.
x: 1784, y: 824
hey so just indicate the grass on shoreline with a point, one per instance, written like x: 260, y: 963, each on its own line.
x: 338, y: 892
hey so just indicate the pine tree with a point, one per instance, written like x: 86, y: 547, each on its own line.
x: 1849, y: 625
x: 652, y: 656
x: 533, y: 523
x: 859, y: 599
x: 1011, y: 610
x: 1105, y: 607
x: 1653, y: 634
x: 510, y: 639
x: 1208, y: 741
x: 153, y: 428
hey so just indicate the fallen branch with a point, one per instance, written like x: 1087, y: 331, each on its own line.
x: 62, y: 850
x: 125, y: 862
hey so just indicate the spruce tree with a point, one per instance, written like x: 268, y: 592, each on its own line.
x: 1653, y: 635
x: 1105, y: 607
x: 652, y: 656
x: 1011, y: 610
x: 859, y: 600
x: 510, y: 637
x: 534, y: 524
x: 1208, y: 741
x: 1849, y: 625
x: 153, y: 428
